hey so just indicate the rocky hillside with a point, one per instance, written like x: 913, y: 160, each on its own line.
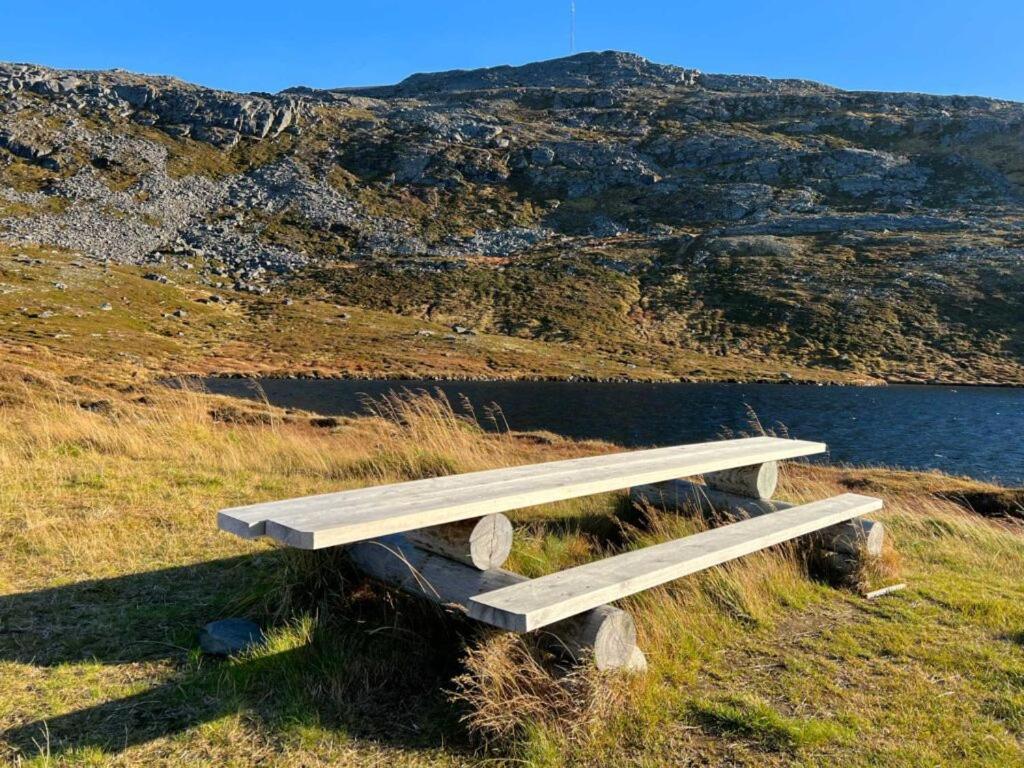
x: 659, y: 219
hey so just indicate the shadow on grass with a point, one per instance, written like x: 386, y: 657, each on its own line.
x: 1015, y: 637
x: 762, y: 725
x: 375, y: 669
x: 139, y: 617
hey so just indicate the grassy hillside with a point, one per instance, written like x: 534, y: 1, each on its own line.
x: 378, y: 321
x: 112, y: 561
x: 51, y: 305
x: 743, y: 307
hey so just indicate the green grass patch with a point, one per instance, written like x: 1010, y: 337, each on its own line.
x: 757, y: 720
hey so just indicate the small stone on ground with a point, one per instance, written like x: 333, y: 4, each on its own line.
x: 227, y: 637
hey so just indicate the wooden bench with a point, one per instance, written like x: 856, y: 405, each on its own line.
x: 536, y: 603
x: 445, y: 538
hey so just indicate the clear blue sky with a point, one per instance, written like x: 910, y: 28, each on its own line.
x: 937, y: 46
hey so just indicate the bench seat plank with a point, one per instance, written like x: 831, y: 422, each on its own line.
x: 538, y: 602
x: 325, y: 520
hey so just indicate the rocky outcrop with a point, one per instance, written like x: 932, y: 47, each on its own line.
x: 610, y: 69
x: 216, y: 117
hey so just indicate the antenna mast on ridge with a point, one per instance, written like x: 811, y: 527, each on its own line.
x: 572, y: 26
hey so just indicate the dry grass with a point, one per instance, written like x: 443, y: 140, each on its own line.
x: 111, y: 561
x: 262, y: 335
x: 509, y: 687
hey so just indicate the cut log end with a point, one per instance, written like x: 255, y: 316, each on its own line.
x: 490, y: 542
x: 637, y: 663
x: 607, y: 633
x: 874, y: 541
x: 757, y: 481
x: 484, y: 543
x: 856, y: 537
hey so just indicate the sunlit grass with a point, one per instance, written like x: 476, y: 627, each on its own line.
x: 112, y: 561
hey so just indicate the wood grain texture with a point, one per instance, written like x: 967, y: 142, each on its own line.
x: 637, y: 662
x: 606, y: 633
x: 484, y: 543
x: 757, y: 481
x: 852, y: 537
x: 536, y: 603
x: 330, y: 519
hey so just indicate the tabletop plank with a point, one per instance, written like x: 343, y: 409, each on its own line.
x: 324, y: 520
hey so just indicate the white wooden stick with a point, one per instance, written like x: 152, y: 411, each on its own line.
x: 876, y: 593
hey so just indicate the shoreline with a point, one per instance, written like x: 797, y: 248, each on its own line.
x: 583, y: 379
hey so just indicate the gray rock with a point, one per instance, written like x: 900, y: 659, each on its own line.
x: 542, y: 156
x: 583, y: 70
x: 106, y: 306
x: 228, y: 637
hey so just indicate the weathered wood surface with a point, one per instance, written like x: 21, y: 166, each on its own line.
x: 484, y: 543
x: 329, y: 519
x: 538, y: 602
x: 757, y: 481
x: 637, y: 661
x: 852, y: 537
x: 605, y: 632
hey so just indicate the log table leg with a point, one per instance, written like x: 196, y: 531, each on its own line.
x: 757, y: 481
x: 606, y: 632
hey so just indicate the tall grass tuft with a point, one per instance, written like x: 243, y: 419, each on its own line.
x: 509, y: 688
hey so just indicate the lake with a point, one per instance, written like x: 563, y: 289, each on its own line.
x: 976, y: 431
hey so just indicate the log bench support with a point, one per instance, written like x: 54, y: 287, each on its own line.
x: 605, y: 633
x: 484, y: 543
x: 757, y: 481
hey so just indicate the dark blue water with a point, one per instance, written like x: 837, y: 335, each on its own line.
x: 976, y: 431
